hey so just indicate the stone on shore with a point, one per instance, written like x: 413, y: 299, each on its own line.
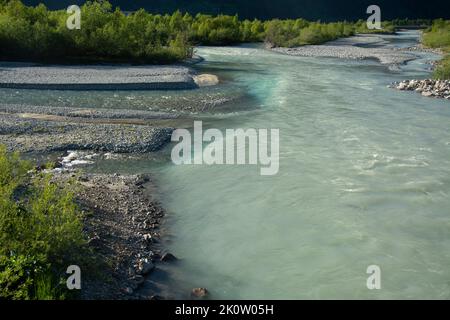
x: 167, y: 257
x: 427, y: 87
x: 205, y: 80
x: 145, y: 266
x: 199, y: 292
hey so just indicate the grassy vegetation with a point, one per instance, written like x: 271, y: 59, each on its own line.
x: 442, y: 71
x: 40, y: 232
x: 438, y: 36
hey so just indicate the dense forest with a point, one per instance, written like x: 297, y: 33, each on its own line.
x: 109, y: 34
x: 324, y: 10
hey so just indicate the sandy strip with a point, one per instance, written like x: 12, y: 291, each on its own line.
x: 96, y: 77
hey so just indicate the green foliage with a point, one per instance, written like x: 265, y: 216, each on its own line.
x: 442, y: 71
x: 17, y: 274
x: 412, y: 22
x: 387, y: 27
x: 438, y: 36
x: 291, y: 33
x: 110, y: 35
x: 105, y: 34
x: 219, y: 30
x: 40, y: 231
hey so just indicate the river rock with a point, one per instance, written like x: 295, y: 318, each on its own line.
x: 147, y: 237
x: 128, y: 290
x: 145, y: 266
x: 141, y: 179
x: 167, y: 257
x: 427, y: 87
x: 205, y: 80
x: 199, y: 292
x: 138, y: 280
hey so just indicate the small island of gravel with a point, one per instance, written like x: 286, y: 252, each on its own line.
x: 33, y: 128
x: 361, y: 46
x: 97, y: 77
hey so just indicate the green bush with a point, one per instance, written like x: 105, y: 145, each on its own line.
x: 105, y: 34
x: 387, y: 27
x: 442, y: 71
x: 291, y: 33
x: 40, y: 231
x: 438, y: 36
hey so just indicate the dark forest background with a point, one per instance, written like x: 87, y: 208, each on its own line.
x: 325, y: 10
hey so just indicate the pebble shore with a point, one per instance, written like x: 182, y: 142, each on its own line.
x: 96, y: 77
x: 426, y: 87
x: 352, y: 48
x: 122, y: 223
x: 32, y: 135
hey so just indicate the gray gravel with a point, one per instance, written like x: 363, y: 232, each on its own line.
x: 31, y: 135
x: 96, y: 77
x: 90, y: 113
x: 123, y: 228
x: 352, y: 48
x: 426, y: 87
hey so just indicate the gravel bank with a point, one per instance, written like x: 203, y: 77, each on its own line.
x: 352, y: 48
x: 31, y: 135
x: 420, y: 47
x: 427, y: 87
x: 123, y: 227
x: 87, y: 113
x: 96, y: 77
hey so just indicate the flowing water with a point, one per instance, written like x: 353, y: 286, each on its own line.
x: 364, y: 179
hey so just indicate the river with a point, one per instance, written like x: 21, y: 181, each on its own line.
x: 364, y: 179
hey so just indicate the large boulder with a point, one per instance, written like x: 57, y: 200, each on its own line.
x: 205, y: 80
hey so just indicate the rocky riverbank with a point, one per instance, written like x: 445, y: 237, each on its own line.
x: 27, y: 134
x: 420, y: 47
x: 101, y: 77
x: 122, y: 222
x: 427, y: 87
x: 122, y: 219
x: 357, y: 47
